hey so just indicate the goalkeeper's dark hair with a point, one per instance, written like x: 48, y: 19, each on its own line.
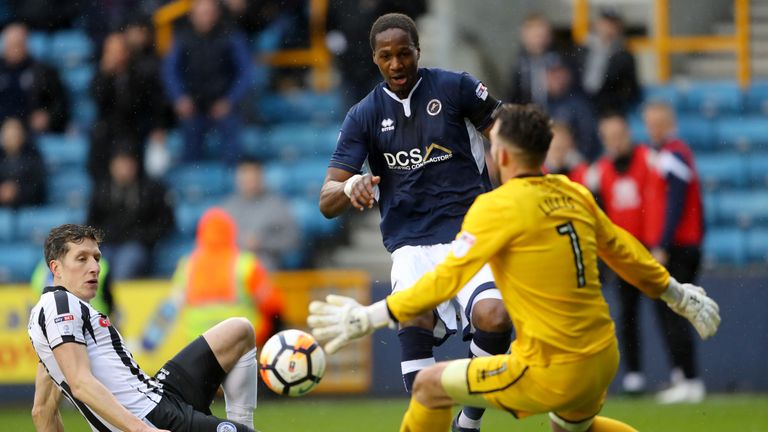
x: 527, y: 128
x: 394, y: 20
x: 57, y: 244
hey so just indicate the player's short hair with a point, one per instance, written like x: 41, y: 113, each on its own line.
x: 611, y: 114
x: 57, y: 243
x: 661, y: 106
x: 394, y: 20
x: 251, y: 161
x: 527, y: 128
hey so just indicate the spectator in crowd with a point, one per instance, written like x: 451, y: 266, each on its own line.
x: 218, y: 280
x: 675, y: 240
x: 621, y: 177
x: 609, y: 72
x: 134, y: 214
x: 563, y: 157
x: 529, y: 73
x: 348, y: 27
x: 30, y: 90
x: 206, y: 74
x: 567, y: 105
x: 47, y: 15
x: 22, y: 172
x: 265, y: 222
x: 129, y: 104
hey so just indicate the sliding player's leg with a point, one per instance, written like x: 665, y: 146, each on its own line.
x: 430, y: 406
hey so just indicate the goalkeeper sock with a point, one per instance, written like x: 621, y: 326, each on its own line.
x: 605, y: 424
x: 240, y: 390
x: 416, y: 352
x: 419, y: 418
x: 483, y: 344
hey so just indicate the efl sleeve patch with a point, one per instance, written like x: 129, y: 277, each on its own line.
x: 481, y: 91
x: 463, y: 244
x: 66, y: 324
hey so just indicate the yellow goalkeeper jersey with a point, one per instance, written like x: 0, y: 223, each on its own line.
x: 542, y: 236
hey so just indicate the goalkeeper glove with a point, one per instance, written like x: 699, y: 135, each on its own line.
x: 691, y: 302
x: 341, y: 319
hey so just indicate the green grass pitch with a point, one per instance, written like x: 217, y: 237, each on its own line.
x: 743, y: 413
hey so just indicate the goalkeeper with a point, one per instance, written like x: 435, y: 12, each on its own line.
x: 542, y: 235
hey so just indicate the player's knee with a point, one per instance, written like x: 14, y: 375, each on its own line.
x: 559, y: 424
x: 490, y: 315
x: 244, y: 332
x: 425, y: 386
x: 425, y: 321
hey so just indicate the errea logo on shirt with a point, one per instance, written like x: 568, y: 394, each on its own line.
x: 387, y: 125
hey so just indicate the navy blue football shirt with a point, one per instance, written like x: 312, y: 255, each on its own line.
x: 427, y: 149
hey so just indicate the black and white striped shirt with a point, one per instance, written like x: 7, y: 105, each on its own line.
x: 60, y: 317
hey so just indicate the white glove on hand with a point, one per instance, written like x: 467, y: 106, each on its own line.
x: 341, y: 319
x: 691, y: 302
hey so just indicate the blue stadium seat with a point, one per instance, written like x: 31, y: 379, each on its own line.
x: 18, y: 261
x: 637, y: 129
x: 188, y: 214
x: 725, y: 246
x: 710, y: 207
x: 300, y: 106
x: 757, y: 169
x: 78, y: 79
x: 668, y: 94
x: 39, y: 44
x: 717, y: 170
x: 295, y: 141
x: 697, y: 131
x: 70, y: 48
x: 167, y: 253
x: 756, y: 98
x: 303, y: 178
x: 71, y: 188
x: 312, y: 223
x: 256, y: 144
x: 757, y: 245
x: 6, y: 225
x: 63, y: 151
x: 34, y: 223
x: 83, y: 112
x: 742, y: 133
x: 713, y: 98
x: 744, y: 207
x: 200, y: 181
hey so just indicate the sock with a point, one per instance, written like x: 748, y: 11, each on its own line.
x: 419, y: 418
x: 416, y: 352
x: 483, y: 344
x: 240, y: 390
x: 605, y: 424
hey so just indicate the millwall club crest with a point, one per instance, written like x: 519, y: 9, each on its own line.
x: 434, y: 106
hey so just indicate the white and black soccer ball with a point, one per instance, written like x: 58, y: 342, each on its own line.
x: 292, y: 363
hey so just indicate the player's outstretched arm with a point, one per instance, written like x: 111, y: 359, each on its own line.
x: 342, y: 189
x: 340, y: 319
x: 73, y: 360
x: 692, y: 302
x: 45, y: 408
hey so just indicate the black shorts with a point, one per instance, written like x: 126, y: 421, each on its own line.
x: 190, y: 381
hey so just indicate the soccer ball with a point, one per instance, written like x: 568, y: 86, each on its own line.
x: 291, y: 363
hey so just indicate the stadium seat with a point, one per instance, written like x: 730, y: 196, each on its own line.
x: 302, y: 178
x: 188, y: 214
x: 199, y: 181
x: 300, y: 106
x: 312, y: 223
x: 38, y: 44
x: 757, y: 245
x: 713, y: 98
x: 757, y: 169
x: 696, y: 131
x: 746, y: 208
x: 742, y: 133
x: 70, y: 48
x: 33, y: 223
x: 710, y: 207
x: 63, y: 151
x: 18, y: 261
x: 637, y: 129
x: 668, y: 94
x: 255, y: 143
x: 725, y: 246
x: 167, y: 253
x: 6, y: 225
x: 83, y: 113
x: 78, y: 79
x: 756, y: 98
x: 71, y: 188
x: 717, y: 170
x: 295, y: 141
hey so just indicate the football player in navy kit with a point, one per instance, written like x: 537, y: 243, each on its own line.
x: 420, y: 132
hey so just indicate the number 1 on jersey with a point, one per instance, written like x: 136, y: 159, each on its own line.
x: 570, y: 231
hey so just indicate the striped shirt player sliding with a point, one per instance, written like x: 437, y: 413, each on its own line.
x: 84, y: 358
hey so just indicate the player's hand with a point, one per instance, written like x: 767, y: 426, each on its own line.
x: 362, y: 190
x: 691, y: 302
x: 340, y: 320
